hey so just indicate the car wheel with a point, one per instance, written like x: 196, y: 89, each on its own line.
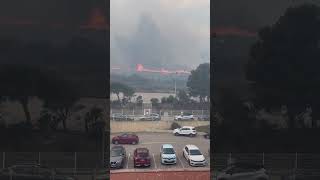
x: 116, y: 142
x: 134, y: 142
x: 176, y: 134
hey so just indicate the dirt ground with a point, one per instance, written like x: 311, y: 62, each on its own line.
x: 149, y: 126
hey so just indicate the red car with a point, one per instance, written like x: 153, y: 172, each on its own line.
x: 141, y: 157
x: 125, y: 138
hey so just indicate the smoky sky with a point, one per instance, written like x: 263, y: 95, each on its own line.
x: 160, y: 33
x: 250, y: 14
x: 67, y: 13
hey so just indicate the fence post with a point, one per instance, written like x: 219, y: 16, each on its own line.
x: 39, y: 158
x: 229, y: 160
x: 75, y: 164
x: 3, y: 160
x: 296, y: 161
x: 263, y: 158
x: 94, y: 174
x: 133, y: 111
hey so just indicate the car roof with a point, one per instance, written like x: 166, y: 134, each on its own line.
x: 191, y: 146
x: 167, y: 146
x: 246, y: 165
x: 117, y: 147
x: 187, y: 127
x: 142, y: 150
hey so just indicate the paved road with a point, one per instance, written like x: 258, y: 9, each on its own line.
x: 162, y: 175
x: 153, y: 141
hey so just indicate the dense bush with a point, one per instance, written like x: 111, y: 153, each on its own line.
x: 175, y: 125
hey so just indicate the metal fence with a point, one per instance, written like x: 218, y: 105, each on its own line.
x: 83, y: 165
x: 162, y: 112
x: 276, y: 164
x: 68, y: 160
x: 270, y: 160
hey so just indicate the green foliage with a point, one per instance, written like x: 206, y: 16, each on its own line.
x: 284, y: 60
x: 128, y: 92
x: 175, y: 125
x: 154, y: 102
x: 183, y: 97
x: 92, y: 118
x: 139, y: 100
x: 199, y: 82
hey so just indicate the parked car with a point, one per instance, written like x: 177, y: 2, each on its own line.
x: 185, y: 130
x: 141, y: 157
x: 243, y: 171
x: 117, y: 157
x: 126, y: 138
x: 204, y: 117
x: 184, y: 116
x: 194, y: 156
x: 168, y: 154
x: 121, y: 117
x: 150, y: 117
x: 33, y: 172
x: 206, y: 135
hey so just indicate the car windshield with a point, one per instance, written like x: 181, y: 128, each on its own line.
x: 143, y: 153
x: 115, y: 153
x: 195, y: 152
x: 168, y: 151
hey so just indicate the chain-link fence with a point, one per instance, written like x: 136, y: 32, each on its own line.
x: 162, y: 112
x: 278, y: 164
x: 82, y: 165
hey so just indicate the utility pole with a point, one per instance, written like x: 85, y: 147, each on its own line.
x: 175, y: 87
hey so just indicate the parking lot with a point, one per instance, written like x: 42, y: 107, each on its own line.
x: 153, y: 142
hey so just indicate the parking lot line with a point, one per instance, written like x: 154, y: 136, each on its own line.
x: 180, y: 162
x: 128, y: 161
x: 154, y: 161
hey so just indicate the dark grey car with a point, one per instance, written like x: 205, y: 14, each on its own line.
x: 150, y: 117
x: 117, y: 157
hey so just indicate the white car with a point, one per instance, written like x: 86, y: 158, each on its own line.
x: 243, y: 171
x: 194, y: 156
x: 185, y: 130
x: 168, y: 154
x: 184, y: 116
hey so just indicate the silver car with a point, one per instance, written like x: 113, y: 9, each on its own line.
x: 117, y: 157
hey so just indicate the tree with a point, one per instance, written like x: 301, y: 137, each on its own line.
x: 154, y: 102
x: 139, y: 101
x: 163, y: 100
x: 283, y: 64
x: 183, y: 97
x: 20, y: 83
x: 127, y: 92
x: 60, y: 98
x: 92, y: 117
x: 199, y: 82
